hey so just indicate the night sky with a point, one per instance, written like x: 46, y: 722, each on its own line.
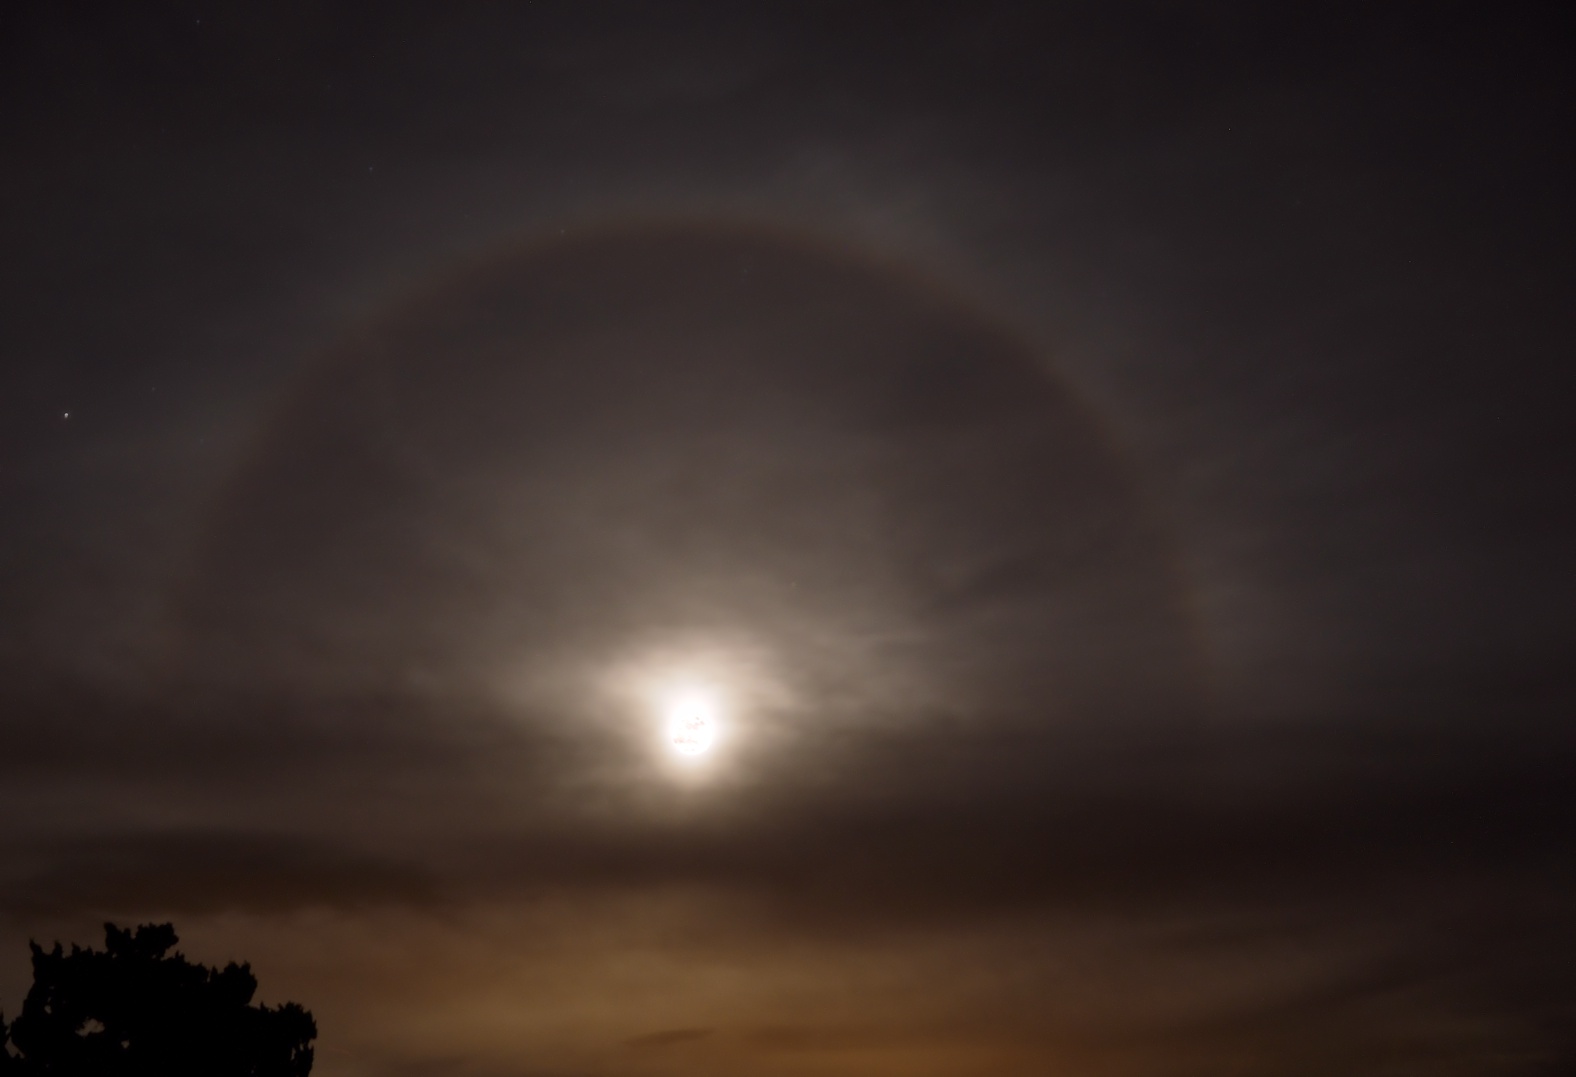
x: 1110, y: 467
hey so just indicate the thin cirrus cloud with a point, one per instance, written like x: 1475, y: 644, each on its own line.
x: 1102, y: 466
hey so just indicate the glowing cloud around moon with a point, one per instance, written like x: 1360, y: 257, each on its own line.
x: 692, y: 726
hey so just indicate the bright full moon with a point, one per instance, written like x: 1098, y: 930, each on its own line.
x: 691, y: 728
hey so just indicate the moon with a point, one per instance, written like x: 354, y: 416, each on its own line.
x: 692, y: 727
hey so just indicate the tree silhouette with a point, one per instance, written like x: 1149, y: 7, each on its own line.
x: 135, y: 1010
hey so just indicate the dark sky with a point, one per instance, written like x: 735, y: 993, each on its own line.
x: 1109, y: 465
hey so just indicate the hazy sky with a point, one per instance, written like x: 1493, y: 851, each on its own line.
x: 1108, y: 465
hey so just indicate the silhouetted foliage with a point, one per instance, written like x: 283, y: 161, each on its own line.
x: 136, y: 1010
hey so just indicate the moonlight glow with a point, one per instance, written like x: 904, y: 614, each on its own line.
x: 691, y: 726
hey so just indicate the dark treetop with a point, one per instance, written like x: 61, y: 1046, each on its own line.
x: 134, y: 1008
